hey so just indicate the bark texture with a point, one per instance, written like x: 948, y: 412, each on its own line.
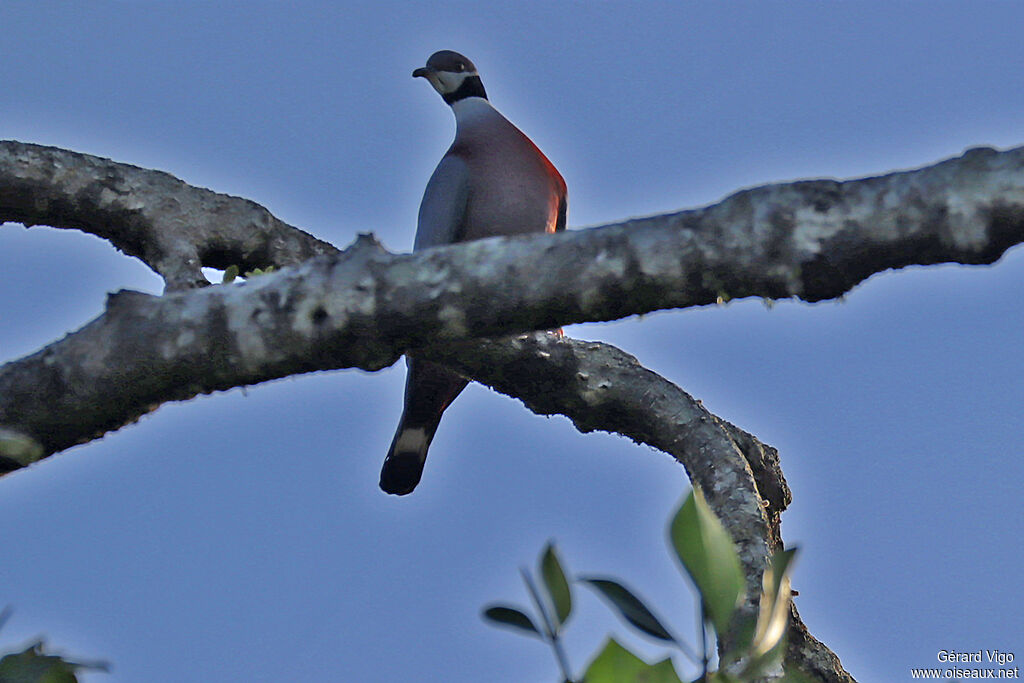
x: 363, y: 307
x: 174, y: 228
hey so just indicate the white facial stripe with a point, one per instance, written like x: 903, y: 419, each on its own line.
x: 447, y: 81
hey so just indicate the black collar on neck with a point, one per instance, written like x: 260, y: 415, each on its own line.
x: 471, y: 87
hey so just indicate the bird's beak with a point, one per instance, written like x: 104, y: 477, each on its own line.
x: 423, y: 71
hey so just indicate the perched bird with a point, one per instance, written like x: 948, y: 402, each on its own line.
x: 492, y: 181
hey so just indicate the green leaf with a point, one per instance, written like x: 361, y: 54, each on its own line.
x: 31, y: 665
x: 510, y: 616
x: 630, y: 607
x: 709, y: 557
x: 556, y: 584
x: 256, y: 272
x: 773, y: 609
x: 230, y: 273
x: 616, y: 664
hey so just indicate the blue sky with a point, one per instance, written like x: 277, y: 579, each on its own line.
x: 242, y: 536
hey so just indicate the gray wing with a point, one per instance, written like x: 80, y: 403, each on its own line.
x: 443, y: 209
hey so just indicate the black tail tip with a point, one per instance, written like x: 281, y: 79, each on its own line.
x: 401, y: 473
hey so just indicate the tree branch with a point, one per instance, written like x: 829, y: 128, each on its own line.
x: 600, y: 387
x: 812, y: 239
x: 364, y: 307
x: 171, y: 226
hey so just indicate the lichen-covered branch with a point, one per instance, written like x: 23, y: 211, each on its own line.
x: 600, y: 387
x: 364, y: 307
x: 175, y: 228
x: 811, y: 239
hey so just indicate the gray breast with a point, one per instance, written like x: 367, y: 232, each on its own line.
x: 512, y: 187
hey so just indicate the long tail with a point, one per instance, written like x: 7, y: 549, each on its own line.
x: 429, y: 389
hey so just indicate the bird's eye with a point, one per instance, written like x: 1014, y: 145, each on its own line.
x: 460, y: 67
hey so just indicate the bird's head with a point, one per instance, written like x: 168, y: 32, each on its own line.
x: 452, y: 75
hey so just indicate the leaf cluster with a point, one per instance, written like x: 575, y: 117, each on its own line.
x: 232, y: 272
x: 708, y: 556
x: 34, y: 664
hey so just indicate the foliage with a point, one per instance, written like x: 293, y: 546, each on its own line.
x: 232, y: 272
x: 708, y: 556
x: 34, y: 665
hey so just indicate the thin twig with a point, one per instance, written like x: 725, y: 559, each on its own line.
x: 549, y: 627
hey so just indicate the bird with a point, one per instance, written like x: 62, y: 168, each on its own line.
x: 492, y: 181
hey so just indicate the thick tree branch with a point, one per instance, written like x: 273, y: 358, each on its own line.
x: 364, y: 307
x: 600, y: 387
x: 811, y: 239
x: 171, y: 226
